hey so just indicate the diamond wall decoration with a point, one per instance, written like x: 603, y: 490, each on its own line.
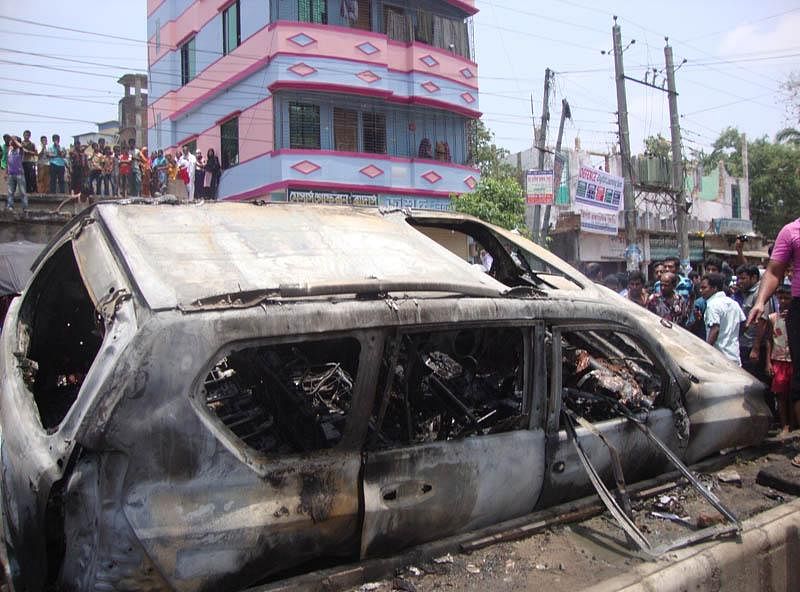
x: 429, y: 61
x: 432, y: 177
x: 467, y: 97
x: 306, y: 167
x: 467, y: 73
x: 302, y: 40
x: 367, y: 48
x: 368, y: 76
x: 302, y: 69
x: 371, y: 171
x: 470, y: 182
x: 430, y: 86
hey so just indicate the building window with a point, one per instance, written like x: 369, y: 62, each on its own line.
x: 158, y: 35
x: 312, y: 11
x: 192, y: 146
x: 231, y: 28
x: 345, y: 130
x: 188, y: 62
x: 304, y: 126
x: 373, y: 132
x: 229, y: 143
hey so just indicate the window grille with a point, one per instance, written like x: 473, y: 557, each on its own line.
x: 231, y: 28
x: 304, y: 130
x: 229, y: 143
x: 345, y: 130
x: 188, y: 61
x: 312, y: 11
x: 374, y: 132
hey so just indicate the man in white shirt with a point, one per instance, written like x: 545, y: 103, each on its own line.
x: 722, y: 317
x: 189, y: 162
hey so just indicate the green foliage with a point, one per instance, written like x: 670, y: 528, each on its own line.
x: 657, y: 146
x: 774, y: 170
x: 788, y: 135
x: 774, y: 185
x: 487, y: 156
x: 496, y: 200
x: 727, y: 147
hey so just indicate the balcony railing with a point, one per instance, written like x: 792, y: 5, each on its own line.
x: 406, y: 25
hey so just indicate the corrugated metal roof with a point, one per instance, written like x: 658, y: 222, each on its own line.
x: 179, y: 254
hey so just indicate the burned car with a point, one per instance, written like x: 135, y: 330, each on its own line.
x: 210, y: 396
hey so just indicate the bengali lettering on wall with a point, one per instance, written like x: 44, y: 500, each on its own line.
x: 338, y: 198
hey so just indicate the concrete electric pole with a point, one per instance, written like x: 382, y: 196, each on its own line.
x: 537, y: 209
x: 633, y: 252
x: 677, y: 161
x: 565, y: 113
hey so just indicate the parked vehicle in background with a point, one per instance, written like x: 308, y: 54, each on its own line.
x: 208, y: 396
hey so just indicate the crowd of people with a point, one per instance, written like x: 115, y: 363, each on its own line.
x: 750, y: 314
x: 102, y: 170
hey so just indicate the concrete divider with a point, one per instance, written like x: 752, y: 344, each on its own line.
x: 766, y: 558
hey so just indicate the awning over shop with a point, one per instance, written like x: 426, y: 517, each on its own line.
x: 748, y: 254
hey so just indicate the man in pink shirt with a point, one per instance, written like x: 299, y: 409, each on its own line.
x: 785, y: 252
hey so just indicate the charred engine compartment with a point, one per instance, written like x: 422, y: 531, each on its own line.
x: 437, y: 386
x: 603, y: 367
x: 285, y: 398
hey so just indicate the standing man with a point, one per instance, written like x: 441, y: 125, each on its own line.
x: 43, y: 167
x: 667, y: 303
x: 29, y: 161
x: 188, y: 162
x: 16, y: 174
x: 636, y: 291
x: 58, y: 164
x: 785, y: 252
x: 723, y: 317
x: 752, y: 336
x: 135, y: 186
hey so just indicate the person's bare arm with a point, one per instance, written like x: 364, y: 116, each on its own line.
x: 769, y: 283
x: 739, y: 259
x: 713, y: 333
x: 761, y: 330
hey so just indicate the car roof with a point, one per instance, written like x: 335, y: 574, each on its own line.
x: 178, y: 255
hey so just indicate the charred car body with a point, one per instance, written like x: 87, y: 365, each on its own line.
x: 209, y: 396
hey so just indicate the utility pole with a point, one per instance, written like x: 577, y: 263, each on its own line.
x: 677, y: 161
x: 565, y: 113
x: 633, y: 253
x: 537, y: 209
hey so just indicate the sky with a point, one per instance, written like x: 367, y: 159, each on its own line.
x: 61, y: 61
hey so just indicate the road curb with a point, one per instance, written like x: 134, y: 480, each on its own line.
x: 766, y: 558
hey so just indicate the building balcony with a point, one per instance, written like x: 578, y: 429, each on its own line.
x: 353, y: 172
x: 328, y: 58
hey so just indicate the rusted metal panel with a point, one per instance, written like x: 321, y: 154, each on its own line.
x: 178, y: 255
x: 417, y: 494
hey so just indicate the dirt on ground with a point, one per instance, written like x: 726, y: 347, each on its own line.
x: 571, y: 557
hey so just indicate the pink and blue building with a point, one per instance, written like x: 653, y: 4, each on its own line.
x: 351, y: 101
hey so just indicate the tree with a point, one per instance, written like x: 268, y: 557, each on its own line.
x: 791, y: 96
x: 774, y: 185
x: 496, y: 200
x: 727, y: 147
x: 774, y: 171
x: 788, y: 135
x: 487, y: 156
x: 657, y: 146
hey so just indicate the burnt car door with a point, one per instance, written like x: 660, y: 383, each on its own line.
x: 451, y: 445
x: 61, y: 342
x: 591, y: 366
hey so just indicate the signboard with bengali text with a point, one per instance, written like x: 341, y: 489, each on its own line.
x: 598, y: 189
x: 539, y: 188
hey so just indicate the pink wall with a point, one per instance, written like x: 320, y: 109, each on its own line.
x: 256, y: 131
x: 329, y: 41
